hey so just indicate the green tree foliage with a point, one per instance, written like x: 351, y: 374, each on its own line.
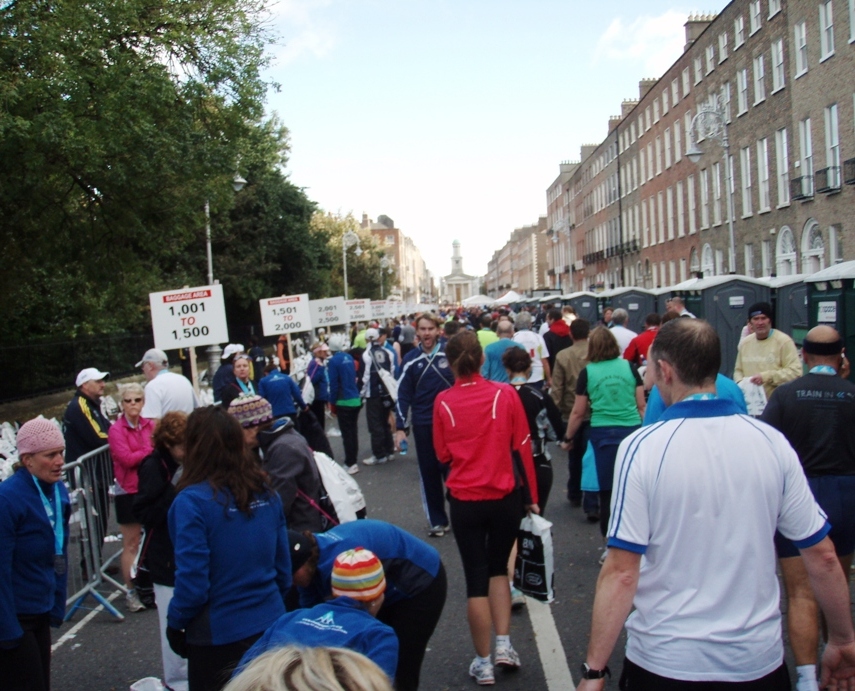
x: 117, y: 122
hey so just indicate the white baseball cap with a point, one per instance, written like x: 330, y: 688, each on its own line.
x: 231, y: 349
x: 153, y: 355
x: 90, y: 374
x: 371, y: 334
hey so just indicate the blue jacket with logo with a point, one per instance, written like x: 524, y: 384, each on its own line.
x: 232, y: 570
x: 423, y: 376
x: 341, y: 372
x: 339, y: 623
x: 281, y: 391
x: 410, y: 564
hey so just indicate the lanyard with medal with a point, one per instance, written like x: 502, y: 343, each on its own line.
x: 55, y: 523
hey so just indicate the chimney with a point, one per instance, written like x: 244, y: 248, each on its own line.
x: 614, y: 121
x: 364, y: 223
x: 695, y: 26
x: 587, y: 150
x: 626, y: 107
x: 644, y: 86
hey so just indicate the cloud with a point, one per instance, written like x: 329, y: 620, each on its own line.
x: 654, y: 42
x: 303, y: 32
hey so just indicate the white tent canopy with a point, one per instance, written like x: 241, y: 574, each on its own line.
x: 477, y: 300
x: 508, y: 298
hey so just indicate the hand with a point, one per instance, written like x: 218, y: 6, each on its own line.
x: 533, y: 508
x: 56, y: 622
x: 757, y: 379
x: 591, y: 685
x: 838, y: 667
x: 400, y: 436
x: 177, y: 641
x: 566, y: 445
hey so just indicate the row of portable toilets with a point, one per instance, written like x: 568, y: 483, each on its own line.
x: 800, y: 302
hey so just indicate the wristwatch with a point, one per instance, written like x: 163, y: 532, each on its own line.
x: 588, y: 673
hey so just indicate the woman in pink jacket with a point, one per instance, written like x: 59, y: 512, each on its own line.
x: 130, y: 442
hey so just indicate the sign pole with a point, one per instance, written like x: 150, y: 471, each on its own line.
x: 290, y: 352
x: 194, y: 369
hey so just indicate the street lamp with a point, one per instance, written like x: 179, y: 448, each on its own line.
x: 711, y: 122
x: 238, y: 184
x: 349, y: 239
x: 385, y: 267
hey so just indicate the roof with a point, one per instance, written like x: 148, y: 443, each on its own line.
x: 833, y: 273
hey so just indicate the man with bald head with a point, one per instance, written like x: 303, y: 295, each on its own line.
x: 493, y: 369
x: 816, y: 413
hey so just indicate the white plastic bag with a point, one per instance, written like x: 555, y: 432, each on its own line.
x: 308, y: 391
x: 148, y: 684
x: 389, y: 382
x: 755, y: 397
x: 342, y: 489
x: 534, y: 567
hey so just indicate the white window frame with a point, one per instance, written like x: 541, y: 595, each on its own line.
x: 832, y: 144
x: 722, y: 46
x: 741, y: 92
x: 660, y: 211
x: 678, y: 153
x: 704, y: 179
x: 686, y: 86
x: 759, y: 79
x: 690, y: 189
x: 645, y: 227
x: 665, y: 105
x: 826, y: 30
x: 749, y: 259
x: 800, y: 48
x: 675, y: 89
x: 726, y: 99
x: 754, y: 19
x: 667, y: 147
x: 659, y: 155
x: 716, y: 194
x: 650, y: 161
x: 806, y: 150
x: 851, y: 21
x: 782, y: 164
x: 738, y: 32
x: 710, y: 58
x: 766, y: 257
x: 763, y: 185
x: 655, y: 111
x: 681, y: 221
x: 699, y: 69
x: 669, y: 202
x: 779, y: 71
x: 745, y: 178
x: 774, y: 7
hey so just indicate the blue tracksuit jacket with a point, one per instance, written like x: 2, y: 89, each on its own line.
x: 423, y: 376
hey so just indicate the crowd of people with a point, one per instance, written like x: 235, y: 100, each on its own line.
x: 256, y: 580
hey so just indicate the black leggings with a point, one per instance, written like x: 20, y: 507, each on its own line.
x: 635, y: 678
x: 209, y: 667
x: 414, y: 620
x: 485, y: 532
x: 543, y: 475
x: 27, y: 667
x: 319, y: 408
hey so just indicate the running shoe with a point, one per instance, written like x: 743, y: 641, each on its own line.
x: 353, y: 469
x: 133, y: 601
x: 437, y: 530
x: 390, y: 457
x: 507, y: 658
x: 482, y: 672
x: 373, y: 460
x: 517, y: 598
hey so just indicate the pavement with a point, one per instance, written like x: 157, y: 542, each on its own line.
x: 97, y: 652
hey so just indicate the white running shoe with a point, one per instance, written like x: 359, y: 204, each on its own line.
x: 507, y: 657
x: 133, y: 601
x: 373, y: 460
x: 517, y: 598
x: 353, y: 469
x: 482, y: 672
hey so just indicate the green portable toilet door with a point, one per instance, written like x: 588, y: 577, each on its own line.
x: 730, y: 305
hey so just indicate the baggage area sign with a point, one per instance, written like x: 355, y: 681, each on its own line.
x: 188, y: 317
x: 285, y: 314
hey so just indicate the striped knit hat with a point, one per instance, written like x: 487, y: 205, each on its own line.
x: 358, y: 574
x: 251, y: 410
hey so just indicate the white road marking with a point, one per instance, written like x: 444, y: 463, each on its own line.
x: 552, y: 657
x: 72, y: 632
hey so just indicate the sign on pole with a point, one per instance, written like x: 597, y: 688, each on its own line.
x: 358, y: 310
x: 285, y: 314
x: 188, y: 317
x: 378, y: 309
x: 328, y: 312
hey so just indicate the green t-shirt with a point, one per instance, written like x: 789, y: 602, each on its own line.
x: 611, y: 388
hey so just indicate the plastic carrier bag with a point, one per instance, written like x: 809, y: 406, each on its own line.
x: 342, y: 489
x: 534, y: 567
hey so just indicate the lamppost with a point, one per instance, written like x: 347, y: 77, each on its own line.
x: 385, y: 267
x: 349, y: 239
x: 711, y: 122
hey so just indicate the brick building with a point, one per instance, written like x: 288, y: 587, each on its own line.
x: 414, y: 282
x: 637, y: 211
x: 521, y: 264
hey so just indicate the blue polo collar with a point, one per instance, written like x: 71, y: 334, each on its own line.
x: 717, y: 407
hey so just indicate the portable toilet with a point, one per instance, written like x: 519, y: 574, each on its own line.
x: 665, y: 293
x: 724, y: 301
x: 790, y: 300
x: 638, y: 302
x: 831, y: 300
x: 585, y: 304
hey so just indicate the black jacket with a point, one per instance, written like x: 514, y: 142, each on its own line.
x: 84, y: 426
x: 151, y: 508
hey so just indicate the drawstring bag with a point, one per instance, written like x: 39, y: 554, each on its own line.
x: 534, y: 566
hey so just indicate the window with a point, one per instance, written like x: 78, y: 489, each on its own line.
x: 774, y: 7
x: 698, y: 70
x: 782, y: 164
x: 716, y: 186
x: 763, y: 175
x: 705, y: 198
x: 632, y: 132
x: 719, y: 262
x: 745, y: 160
x: 665, y: 102
x: 725, y: 99
x: 710, y: 55
x: 785, y: 253
x: 806, y: 156
x: 738, y: 32
x: 650, y: 161
x: 778, y: 72
x: 675, y: 89
x: 667, y: 148
x: 670, y: 204
x: 800, y: 36
x: 707, y: 265
x: 656, y: 110
x: 749, y: 259
x: 690, y: 186
x: 742, y: 92
x: 677, y: 153
x: 685, y: 82
x: 722, y: 46
x: 832, y: 146
x: 851, y: 21
x: 759, y: 80
x: 641, y: 157
x: 826, y: 31
x: 647, y: 118
x: 660, y: 211
x: 644, y: 227
x: 681, y: 222
x: 754, y: 16
x: 766, y: 257
x: 658, y: 155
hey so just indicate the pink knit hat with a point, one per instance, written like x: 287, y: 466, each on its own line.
x: 39, y: 435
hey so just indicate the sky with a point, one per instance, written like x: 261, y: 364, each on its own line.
x: 452, y: 116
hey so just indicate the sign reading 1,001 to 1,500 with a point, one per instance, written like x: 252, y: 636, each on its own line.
x: 188, y: 317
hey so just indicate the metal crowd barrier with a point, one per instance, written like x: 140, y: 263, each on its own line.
x: 89, y: 479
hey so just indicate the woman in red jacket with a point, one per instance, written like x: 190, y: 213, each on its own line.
x: 480, y: 429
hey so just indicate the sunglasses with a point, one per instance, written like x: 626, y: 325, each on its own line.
x: 131, y: 400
